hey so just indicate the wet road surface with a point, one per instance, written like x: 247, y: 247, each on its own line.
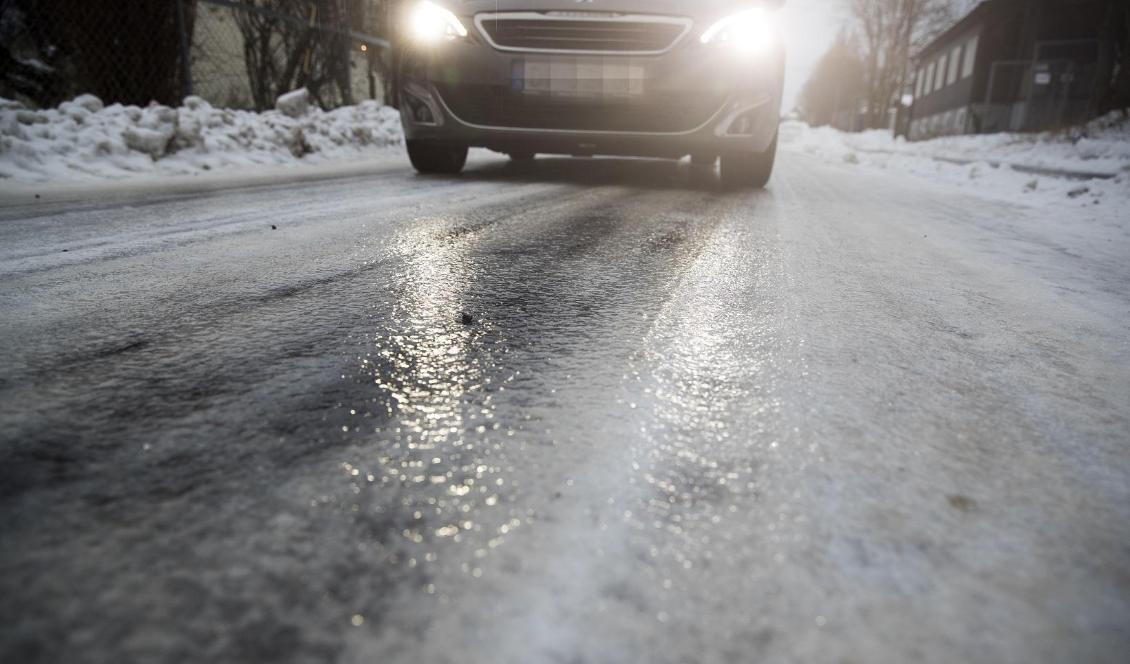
x: 852, y: 418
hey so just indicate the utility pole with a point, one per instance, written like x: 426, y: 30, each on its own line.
x: 185, y: 51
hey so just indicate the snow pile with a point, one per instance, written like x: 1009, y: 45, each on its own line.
x: 294, y: 104
x: 85, y: 140
x: 1084, y: 165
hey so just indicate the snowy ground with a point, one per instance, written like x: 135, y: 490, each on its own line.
x: 856, y: 417
x: 85, y: 141
x: 1084, y: 166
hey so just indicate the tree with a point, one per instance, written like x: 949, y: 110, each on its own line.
x: 890, y: 31
x: 126, y: 52
x: 290, y: 44
x: 833, y: 93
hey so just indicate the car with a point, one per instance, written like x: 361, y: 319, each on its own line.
x: 643, y: 78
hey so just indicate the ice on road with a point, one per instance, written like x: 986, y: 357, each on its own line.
x: 857, y: 417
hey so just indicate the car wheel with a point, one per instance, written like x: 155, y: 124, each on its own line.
x: 441, y: 158
x: 522, y: 156
x: 749, y: 169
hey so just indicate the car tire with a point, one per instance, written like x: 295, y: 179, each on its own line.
x: 749, y: 170
x: 522, y: 156
x: 439, y: 158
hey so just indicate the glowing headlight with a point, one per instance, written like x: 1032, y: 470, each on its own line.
x: 431, y: 23
x: 749, y: 32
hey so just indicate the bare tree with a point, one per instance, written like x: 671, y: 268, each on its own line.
x: 890, y: 31
x: 291, y: 44
x: 833, y: 92
x: 125, y: 52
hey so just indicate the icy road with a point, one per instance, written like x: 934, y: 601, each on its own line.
x: 599, y: 412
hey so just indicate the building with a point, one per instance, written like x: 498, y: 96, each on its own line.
x: 1017, y: 65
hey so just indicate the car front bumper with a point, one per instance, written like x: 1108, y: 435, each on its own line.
x: 694, y: 99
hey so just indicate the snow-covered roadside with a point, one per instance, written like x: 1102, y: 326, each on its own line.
x: 83, y: 141
x: 1033, y: 168
x: 84, y: 145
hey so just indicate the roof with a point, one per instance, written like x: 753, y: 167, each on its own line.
x: 969, y: 20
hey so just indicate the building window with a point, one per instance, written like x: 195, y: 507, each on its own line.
x: 955, y: 62
x: 921, y: 80
x: 929, y: 87
x: 970, y: 57
x: 940, y: 74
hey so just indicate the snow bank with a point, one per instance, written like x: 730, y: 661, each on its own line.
x: 294, y: 104
x: 1082, y: 166
x: 84, y: 140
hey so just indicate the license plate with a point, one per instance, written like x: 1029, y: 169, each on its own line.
x: 578, y: 78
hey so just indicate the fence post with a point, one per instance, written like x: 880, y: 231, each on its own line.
x: 989, y: 113
x: 185, y: 52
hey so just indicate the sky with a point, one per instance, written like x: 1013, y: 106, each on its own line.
x: 809, y: 27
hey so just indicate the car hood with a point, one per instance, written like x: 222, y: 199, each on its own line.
x: 701, y: 9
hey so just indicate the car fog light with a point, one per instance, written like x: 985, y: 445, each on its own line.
x: 742, y: 125
x: 421, y: 106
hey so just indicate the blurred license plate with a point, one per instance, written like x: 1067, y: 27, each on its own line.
x: 569, y: 78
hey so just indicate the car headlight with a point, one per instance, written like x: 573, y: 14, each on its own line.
x: 430, y: 23
x: 750, y: 32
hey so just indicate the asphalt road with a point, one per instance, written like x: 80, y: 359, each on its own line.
x: 599, y: 411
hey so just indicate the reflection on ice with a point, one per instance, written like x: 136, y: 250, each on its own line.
x: 434, y: 377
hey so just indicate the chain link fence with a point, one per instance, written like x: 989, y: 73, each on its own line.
x: 1035, y: 96
x: 233, y: 53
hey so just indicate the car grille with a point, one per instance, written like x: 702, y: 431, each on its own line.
x: 497, y: 106
x: 640, y: 35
